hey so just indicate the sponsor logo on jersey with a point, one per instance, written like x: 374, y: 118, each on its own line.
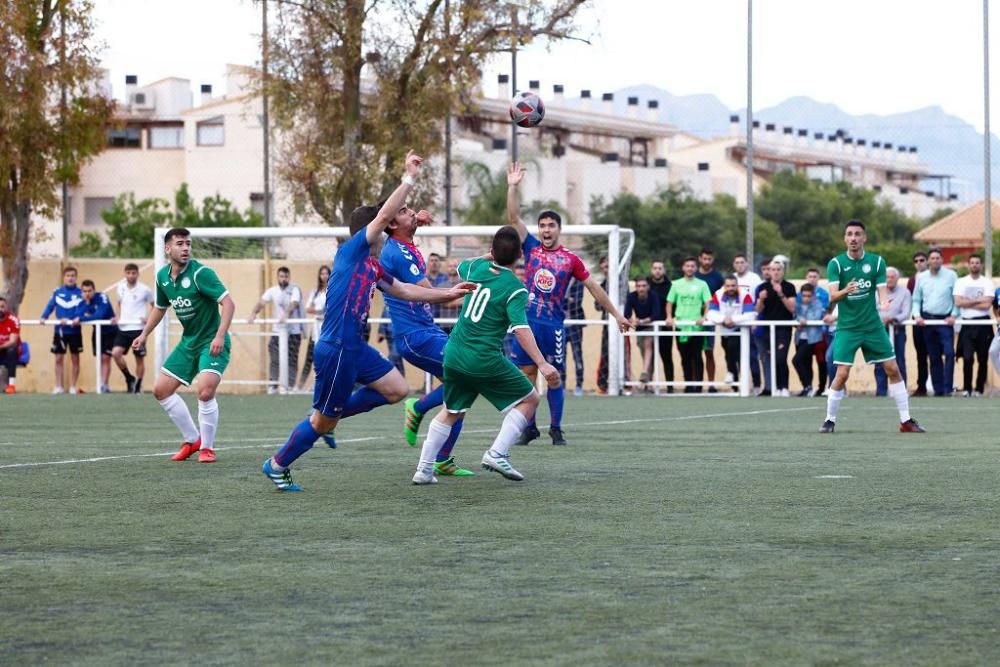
x: 545, y: 280
x: 414, y: 270
x: 180, y: 302
x: 867, y: 268
x: 185, y: 282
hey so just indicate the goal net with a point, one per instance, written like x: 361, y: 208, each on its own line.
x: 272, y: 355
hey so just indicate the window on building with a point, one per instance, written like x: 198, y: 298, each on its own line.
x: 166, y: 137
x: 212, y: 132
x: 125, y: 137
x: 92, y: 208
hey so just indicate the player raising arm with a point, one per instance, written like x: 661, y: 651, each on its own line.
x: 548, y: 269
x: 474, y: 363
x: 197, y: 295
x: 342, y: 355
x: 854, y: 277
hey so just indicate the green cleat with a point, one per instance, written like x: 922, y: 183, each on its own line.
x: 411, y: 421
x: 450, y: 469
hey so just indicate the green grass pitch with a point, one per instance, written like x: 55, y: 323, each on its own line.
x: 670, y: 531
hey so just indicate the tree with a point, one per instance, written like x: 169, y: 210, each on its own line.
x: 131, y: 224
x: 52, y: 120
x: 341, y: 144
x: 811, y: 216
x: 488, y: 195
x: 673, y: 224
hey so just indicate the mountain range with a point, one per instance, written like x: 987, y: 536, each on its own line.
x: 947, y: 144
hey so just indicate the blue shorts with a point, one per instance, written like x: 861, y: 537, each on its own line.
x: 338, y: 370
x: 425, y: 350
x: 551, y: 339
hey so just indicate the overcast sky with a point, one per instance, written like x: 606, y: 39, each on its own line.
x: 866, y: 56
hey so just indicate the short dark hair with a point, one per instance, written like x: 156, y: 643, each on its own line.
x: 131, y: 266
x: 433, y: 255
x: 552, y: 215
x: 176, y: 231
x: 812, y: 269
x: 977, y: 256
x: 738, y: 255
x: 88, y: 283
x: 361, y: 217
x: 807, y: 288
x: 934, y: 250
x: 692, y: 258
x: 284, y: 269
x: 69, y: 269
x: 707, y: 251
x: 733, y: 276
x: 642, y: 279
x: 506, y: 246
x: 920, y: 253
x: 855, y: 223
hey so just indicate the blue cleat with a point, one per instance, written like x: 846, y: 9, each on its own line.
x: 330, y: 441
x: 282, y: 480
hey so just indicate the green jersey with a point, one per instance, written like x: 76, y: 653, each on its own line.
x: 860, y: 309
x: 487, y: 315
x: 689, y: 298
x: 195, y: 296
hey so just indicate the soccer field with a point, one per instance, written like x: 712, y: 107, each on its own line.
x: 684, y: 530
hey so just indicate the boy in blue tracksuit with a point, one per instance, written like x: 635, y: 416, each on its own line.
x: 97, y: 306
x: 810, y: 307
x: 67, y: 302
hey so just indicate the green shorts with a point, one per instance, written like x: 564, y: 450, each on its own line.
x: 874, y: 344
x: 192, y: 357
x: 500, y: 382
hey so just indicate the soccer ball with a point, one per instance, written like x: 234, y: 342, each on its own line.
x: 527, y: 109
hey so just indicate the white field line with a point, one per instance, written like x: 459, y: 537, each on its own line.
x: 274, y: 442
x: 270, y: 443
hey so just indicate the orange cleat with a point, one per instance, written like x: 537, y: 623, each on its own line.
x: 10, y: 389
x: 206, y: 456
x: 187, y: 449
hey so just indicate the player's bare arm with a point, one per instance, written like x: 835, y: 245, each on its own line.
x: 838, y: 294
x: 396, y: 200
x: 423, y: 294
x: 602, y: 298
x: 151, y: 323
x: 526, y: 340
x: 219, y: 342
x: 515, y: 173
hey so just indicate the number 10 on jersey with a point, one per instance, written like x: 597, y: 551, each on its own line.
x: 476, y: 306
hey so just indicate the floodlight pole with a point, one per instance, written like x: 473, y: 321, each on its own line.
x: 265, y: 119
x: 513, y: 80
x: 987, y: 184
x: 749, y: 153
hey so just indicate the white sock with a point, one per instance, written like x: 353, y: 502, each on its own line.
x: 208, y: 419
x: 511, y: 429
x: 898, y: 392
x: 437, y: 433
x: 177, y: 410
x: 12, y: 382
x: 833, y: 399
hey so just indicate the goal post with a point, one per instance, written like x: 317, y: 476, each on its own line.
x: 620, y: 243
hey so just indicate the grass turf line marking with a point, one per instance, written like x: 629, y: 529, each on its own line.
x: 97, y: 459
x: 834, y: 477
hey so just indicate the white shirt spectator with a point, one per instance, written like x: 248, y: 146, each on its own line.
x: 748, y: 283
x: 280, y: 300
x: 133, y: 303
x: 317, y: 301
x: 973, y: 288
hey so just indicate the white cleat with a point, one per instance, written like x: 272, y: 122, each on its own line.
x: 58, y: 390
x: 422, y: 477
x: 501, y: 464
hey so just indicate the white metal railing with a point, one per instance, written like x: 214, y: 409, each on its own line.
x: 743, y: 330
